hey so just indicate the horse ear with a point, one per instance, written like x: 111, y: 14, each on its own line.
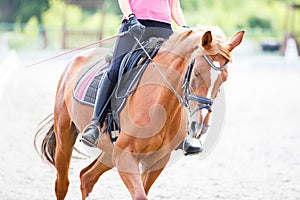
x: 236, y: 40
x: 206, y: 39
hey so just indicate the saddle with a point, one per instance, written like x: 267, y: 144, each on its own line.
x: 131, y: 70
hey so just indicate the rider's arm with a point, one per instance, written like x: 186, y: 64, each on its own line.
x: 177, y: 13
x: 125, y: 7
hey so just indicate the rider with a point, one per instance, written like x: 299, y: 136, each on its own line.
x: 143, y: 19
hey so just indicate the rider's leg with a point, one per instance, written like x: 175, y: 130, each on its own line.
x: 106, y: 87
x: 188, y: 148
x: 92, y: 132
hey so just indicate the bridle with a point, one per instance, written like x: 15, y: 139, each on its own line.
x: 202, y: 102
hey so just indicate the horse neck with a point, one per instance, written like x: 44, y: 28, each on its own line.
x: 173, y: 64
x: 172, y: 61
x: 178, y: 50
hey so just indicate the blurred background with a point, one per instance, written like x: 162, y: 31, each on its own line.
x: 64, y: 24
x: 257, y: 156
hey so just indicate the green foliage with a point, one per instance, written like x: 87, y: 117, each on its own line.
x: 111, y: 6
x: 259, y: 17
x: 228, y: 14
x: 259, y: 22
x: 192, y: 5
x: 22, y: 10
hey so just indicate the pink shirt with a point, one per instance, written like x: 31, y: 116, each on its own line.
x: 157, y: 10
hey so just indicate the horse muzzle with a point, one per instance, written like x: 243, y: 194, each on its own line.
x: 196, y: 129
x: 196, y: 125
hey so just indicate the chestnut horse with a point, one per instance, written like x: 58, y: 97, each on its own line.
x: 179, y: 83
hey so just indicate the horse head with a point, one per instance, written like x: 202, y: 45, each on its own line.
x: 205, y: 74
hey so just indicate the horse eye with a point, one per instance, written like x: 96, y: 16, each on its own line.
x: 197, y: 74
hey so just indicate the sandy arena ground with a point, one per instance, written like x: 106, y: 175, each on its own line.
x: 257, y: 157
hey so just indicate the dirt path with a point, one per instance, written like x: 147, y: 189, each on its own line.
x: 257, y: 156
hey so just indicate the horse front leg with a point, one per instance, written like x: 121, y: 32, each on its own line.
x: 151, y: 172
x: 90, y: 175
x: 128, y: 167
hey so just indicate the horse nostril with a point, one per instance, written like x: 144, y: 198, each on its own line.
x: 204, y: 129
x: 194, y: 127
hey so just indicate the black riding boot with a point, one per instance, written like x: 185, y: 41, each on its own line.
x: 188, y: 148
x: 104, y: 92
x: 191, y: 150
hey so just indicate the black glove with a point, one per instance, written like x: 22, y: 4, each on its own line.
x: 135, y: 28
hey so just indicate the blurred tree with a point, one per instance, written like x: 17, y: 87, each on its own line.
x: 259, y: 22
x: 110, y: 6
x: 22, y: 10
x: 191, y: 5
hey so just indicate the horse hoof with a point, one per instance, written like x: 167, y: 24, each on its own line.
x: 89, y: 197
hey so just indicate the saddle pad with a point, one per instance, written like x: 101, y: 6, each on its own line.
x: 85, y: 90
x: 86, y: 87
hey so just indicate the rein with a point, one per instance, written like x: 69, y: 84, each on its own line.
x: 181, y: 100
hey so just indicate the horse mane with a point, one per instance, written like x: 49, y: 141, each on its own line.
x: 183, y: 38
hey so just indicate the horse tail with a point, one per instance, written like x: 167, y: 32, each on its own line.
x: 46, y: 150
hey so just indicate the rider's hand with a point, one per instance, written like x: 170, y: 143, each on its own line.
x: 135, y: 28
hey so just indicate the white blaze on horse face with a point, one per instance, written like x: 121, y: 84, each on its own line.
x: 213, y: 78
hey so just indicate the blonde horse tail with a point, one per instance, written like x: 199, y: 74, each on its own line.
x: 45, y: 132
